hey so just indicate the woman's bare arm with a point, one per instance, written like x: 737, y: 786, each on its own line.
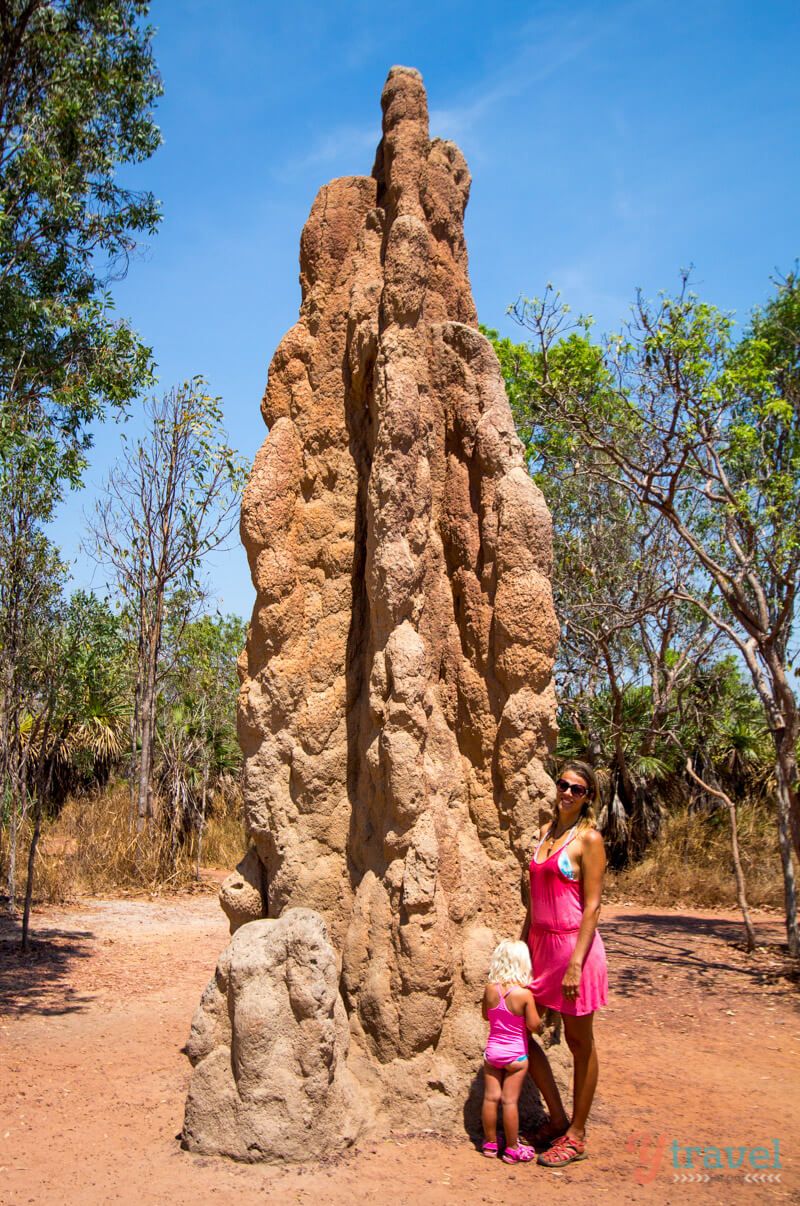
x: 526, y: 925
x: 593, y: 866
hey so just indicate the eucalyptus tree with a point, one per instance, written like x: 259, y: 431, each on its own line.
x: 702, y: 432
x: 77, y: 87
x: 628, y: 642
x: 96, y: 686
x: 170, y: 501
x: 197, y: 731
x: 30, y: 593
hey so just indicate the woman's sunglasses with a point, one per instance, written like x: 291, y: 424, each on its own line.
x: 573, y: 789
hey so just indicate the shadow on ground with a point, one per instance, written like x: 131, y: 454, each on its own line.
x: 644, y: 945
x: 39, y: 981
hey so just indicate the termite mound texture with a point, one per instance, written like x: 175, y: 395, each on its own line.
x: 396, y: 699
x: 269, y: 1043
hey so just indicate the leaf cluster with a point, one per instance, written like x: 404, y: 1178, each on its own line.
x: 77, y: 88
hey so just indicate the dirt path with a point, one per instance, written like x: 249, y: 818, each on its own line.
x: 700, y: 1048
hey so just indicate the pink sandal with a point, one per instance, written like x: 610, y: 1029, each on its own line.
x: 521, y: 1154
x: 489, y: 1149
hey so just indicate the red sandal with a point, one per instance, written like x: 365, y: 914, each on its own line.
x: 563, y: 1151
x: 546, y: 1135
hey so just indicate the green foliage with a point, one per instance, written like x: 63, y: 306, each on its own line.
x: 669, y: 456
x: 95, y: 692
x: 197, y: 747
x: 169, y: 501
x: 77, y: 89
x: 763, y: 435
x: 202, y: 687
x: 695, y: 427
x: 627, y: 643
x: 79, y: 84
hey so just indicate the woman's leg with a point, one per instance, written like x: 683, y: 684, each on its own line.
x: 512, y: 1087
x: 542, y: 1074
x: 580, y: 1040
x: 492, y: 1092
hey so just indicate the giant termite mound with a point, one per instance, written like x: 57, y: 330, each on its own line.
x: 396, y: 699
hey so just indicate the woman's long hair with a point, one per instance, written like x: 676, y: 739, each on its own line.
x: 588, y: 817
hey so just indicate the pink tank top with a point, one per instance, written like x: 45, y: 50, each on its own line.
x: 556, y: 890
x: 508, y: 1034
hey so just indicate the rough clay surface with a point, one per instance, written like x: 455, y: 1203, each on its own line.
x: 396, y: 699
x: 268, y: 1044
x: 93, y: 1082
x: 243, y: 893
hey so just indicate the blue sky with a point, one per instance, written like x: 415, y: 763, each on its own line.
x: 610, y: 144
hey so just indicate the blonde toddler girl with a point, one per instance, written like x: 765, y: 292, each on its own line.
x: 509, y: 1008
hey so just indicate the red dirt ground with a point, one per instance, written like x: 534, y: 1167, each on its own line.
x: 699, y: 1046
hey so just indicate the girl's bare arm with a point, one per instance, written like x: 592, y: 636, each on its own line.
x: 532, y: 1019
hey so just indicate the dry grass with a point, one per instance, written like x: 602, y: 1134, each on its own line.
x: 690, y: 864
x: 91, y: 849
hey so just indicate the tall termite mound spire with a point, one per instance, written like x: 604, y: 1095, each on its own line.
x: 396, y: 699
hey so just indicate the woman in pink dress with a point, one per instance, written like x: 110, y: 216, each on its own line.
x: 567, y: 953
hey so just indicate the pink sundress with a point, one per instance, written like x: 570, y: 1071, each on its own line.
x: 556, y: 913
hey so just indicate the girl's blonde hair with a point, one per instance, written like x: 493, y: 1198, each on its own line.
x: 587, y: 818
x: 510, y: 964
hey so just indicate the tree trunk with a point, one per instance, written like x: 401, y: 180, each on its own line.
x: 19, y: 813
x: 787, y: 804
x: 780, y: 707
x: 13, y: 829
x: 741, y: 894
x: 789, y: 886
x: 144, y: 804
x: 783, y: 721
x: 134, y: 767
x: 44, y: 783
x: 786, y: 776
x: 786, y: 736
x: 202, y: 824
x: 37, y: 828
x: 143, y: 796
x: 11, y: 758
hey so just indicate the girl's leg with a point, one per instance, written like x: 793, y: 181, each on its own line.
x: 542, y: 1074
x: 512, y: 1087
x: 492, y: 1092
x: 580, y: 1040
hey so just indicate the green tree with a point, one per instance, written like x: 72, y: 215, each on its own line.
x: 96, y: 686
x: 197, y: 731
x: 30, y: 592
x: 628, y: 643
x: 703, y: 432
x: 170, y: 501
x: 77, y: 84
